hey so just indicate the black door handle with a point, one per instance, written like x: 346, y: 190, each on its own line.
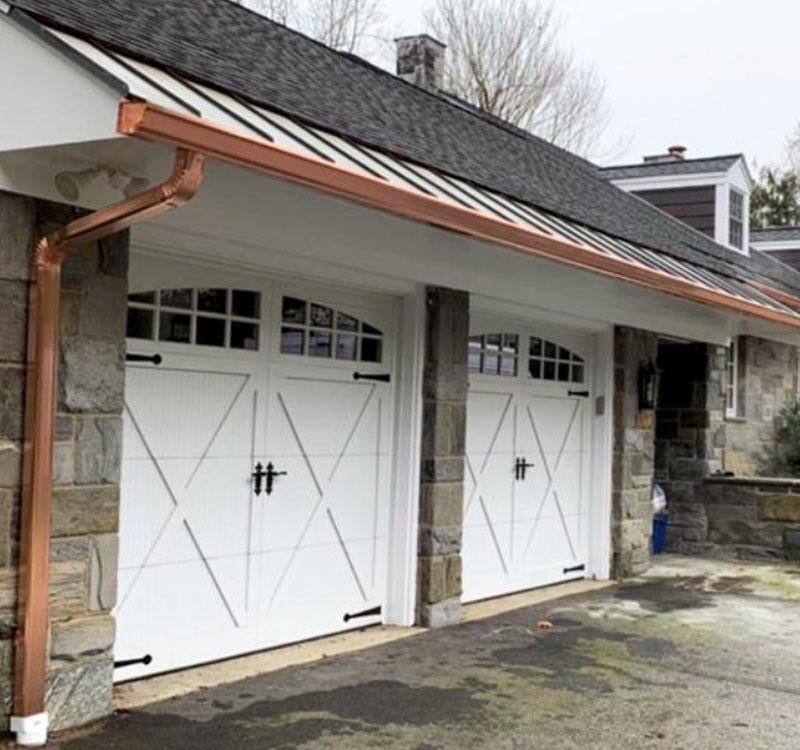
x: 269, y: 474
x: 521, y: 467
x: 156, y: 359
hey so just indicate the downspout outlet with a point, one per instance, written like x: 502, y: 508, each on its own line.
x: 31, y: 731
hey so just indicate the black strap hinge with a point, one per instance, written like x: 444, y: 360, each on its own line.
x: 156, y: 359
x: 582, y: 394
x: 379, y: 378
x: 574, y: 569
x: 146, y: 659
x: 374, y: 612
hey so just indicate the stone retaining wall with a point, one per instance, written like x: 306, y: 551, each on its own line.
x: 86, y: 463
x: 754, y: 517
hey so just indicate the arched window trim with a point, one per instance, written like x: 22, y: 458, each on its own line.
x: 327, y: 331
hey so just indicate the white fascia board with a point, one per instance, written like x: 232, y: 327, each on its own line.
x: 53, y: 96
x: 668, y: 182
x: 766, y: 247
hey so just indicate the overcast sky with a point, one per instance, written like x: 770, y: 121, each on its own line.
x: 718, y: 76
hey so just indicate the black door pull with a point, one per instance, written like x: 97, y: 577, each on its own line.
x: 156, y: 359
x: 521, y: 467
x: 582, y: 394
x: 366, y: 376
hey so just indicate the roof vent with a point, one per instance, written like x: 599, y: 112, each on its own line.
x: 674, y: 153
x: 420, y: 60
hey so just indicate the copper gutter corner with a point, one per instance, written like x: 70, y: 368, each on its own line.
x: 31, y: 641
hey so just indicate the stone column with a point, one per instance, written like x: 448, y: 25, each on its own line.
x: 634, y: 450
x: 443, y: 442
x: 86, y: 457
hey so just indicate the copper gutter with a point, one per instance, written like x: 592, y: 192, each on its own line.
x: 154, y: 123
x: 40, y: 407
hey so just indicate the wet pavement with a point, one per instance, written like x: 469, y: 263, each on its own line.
x: 696, y: 655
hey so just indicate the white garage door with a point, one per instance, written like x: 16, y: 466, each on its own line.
x: 528, y: 461
x: 255, y: 487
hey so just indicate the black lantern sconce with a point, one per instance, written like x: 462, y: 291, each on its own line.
x: 648, y: 377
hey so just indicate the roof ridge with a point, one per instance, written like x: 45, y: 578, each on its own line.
x: 676, y: 161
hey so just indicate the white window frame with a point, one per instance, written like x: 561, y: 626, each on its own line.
x: 738, y: 220
x: 732, y: 379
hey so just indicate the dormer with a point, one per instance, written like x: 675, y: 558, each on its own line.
x: 711, y: 194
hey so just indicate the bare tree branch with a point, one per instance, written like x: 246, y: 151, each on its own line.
x: 504, y: 57
x: 345, y: 25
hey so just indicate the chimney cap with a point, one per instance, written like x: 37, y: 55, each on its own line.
x: 677, y: 150
x: 420, y: 37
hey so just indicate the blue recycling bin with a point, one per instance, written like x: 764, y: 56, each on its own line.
x: 660, y: 525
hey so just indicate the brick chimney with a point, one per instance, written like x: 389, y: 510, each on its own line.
x: 420, y: 60
x: 674, y: 153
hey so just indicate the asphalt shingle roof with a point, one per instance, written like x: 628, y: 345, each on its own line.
x: 224, y: 45
x: 686, y: 166
x: 776, y: 234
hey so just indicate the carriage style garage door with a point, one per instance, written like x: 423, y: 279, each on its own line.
x: 255, y: 487
x: 528, y: 459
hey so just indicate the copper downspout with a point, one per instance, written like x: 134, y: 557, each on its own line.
x: 161, y: 125
x: 40, y: 407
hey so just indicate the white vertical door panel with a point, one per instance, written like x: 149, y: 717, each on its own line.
x: 526, y: 527
x: 185, y: 568
x: 489, y: 487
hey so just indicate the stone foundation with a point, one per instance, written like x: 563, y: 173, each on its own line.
x: 86, y: 458
x: 750, y: 517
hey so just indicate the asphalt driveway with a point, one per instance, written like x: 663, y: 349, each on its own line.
x: 699, y: 656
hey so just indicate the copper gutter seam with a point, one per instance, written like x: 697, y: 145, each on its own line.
x: 161, y: 125
x: 40, y: 407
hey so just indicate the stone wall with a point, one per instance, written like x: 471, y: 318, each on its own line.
x: 755, y: 518
x: 443, y: 445
x: 634, y: 452
x: 768, y: 379
x: 86, y: 461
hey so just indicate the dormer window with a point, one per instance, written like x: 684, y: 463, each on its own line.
x: 736, y: 220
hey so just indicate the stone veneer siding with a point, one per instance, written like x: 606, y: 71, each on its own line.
x: 634, y: 452
x: 443, y: 444
x: 767, y: 380
x: 746, y: 517
x: 86, y: 462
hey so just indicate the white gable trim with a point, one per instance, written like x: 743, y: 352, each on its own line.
x: 54, y: 98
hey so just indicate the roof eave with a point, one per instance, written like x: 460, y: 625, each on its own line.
x: 158, y: 124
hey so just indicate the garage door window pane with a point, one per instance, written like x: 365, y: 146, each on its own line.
x: 346, y: 322
x: 294, y: 310
x: 140, y: 323
x: 147, y: 298
x: 292, y: 340
x: 321, y: 317
x: 174, y: 327
x: 319, y: 344
x: 246, y: 304
x: 244, y: 335
x: 212, y: 300
x: 346, y: 346
x: 371, y: 350
x: 181, y: 298
x: 210, y: 332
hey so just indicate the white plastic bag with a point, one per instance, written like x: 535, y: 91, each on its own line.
x: 659, y: 499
